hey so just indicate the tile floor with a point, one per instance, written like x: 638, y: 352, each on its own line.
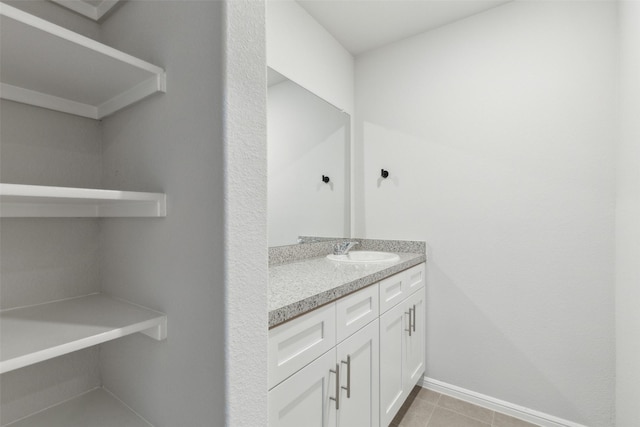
x: 426, y: 408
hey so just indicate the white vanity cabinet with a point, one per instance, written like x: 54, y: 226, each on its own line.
x: 339, y: 389
x: 402, y: 343
x: 368, y: 365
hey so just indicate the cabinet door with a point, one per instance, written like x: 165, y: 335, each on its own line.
x: 414, y: 343
x: 304, y: 398
x: 394, y: 325
x: 358, y: 357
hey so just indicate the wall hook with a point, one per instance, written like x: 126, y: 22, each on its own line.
x: 384, y: 173
x: 325, y: 179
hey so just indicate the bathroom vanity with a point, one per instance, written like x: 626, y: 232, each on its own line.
x: 346, y: 340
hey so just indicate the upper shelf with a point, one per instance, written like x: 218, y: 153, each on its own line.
x: 18, y: 200
x: 48, y: 66
x: 33, y: 334
x: 94, y: 9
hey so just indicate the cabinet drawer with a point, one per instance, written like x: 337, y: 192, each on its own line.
x: 392, y: 291
x: 299, y: 341
x: 356, y: 310
x: 414, y: 278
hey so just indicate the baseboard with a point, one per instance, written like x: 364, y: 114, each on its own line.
x: 516, y: 411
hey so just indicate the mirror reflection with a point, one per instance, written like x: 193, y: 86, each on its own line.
x: 308, y: 164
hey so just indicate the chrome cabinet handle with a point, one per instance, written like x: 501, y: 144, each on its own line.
x: 409, y: 313
x: 414, y: 317
x: 348, y: 387
x: 337, y: 398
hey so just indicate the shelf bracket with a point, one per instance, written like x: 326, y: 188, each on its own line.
x: 159, y: 332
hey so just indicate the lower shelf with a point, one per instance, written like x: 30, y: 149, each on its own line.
x: 97, y: 408
x: 32, y: 334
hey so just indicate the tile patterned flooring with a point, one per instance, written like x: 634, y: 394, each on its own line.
x: 426, y: 408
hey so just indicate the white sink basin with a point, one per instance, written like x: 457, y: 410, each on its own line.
x: 364, y: 257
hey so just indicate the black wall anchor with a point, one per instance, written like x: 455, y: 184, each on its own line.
x: 325, y: 179
x: 384, y: 173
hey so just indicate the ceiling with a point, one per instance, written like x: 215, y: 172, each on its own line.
x: 362, y: 25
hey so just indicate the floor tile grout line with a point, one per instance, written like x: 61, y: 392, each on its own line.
x: 436, y: 403
x: 461, y: 414
x: 430, y: 416
x: 490, y: 423
x: 493, y: 413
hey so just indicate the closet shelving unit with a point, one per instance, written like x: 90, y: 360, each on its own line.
x: 51, y: 67
x: 48, y: 66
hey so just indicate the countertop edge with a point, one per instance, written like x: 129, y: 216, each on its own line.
x: 298, y: 308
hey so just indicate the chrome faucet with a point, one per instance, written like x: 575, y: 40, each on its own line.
x: 343, y: 247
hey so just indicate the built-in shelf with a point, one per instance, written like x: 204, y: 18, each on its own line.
x: 17, y: 200
x: 97, y: 408
x: 48, y: 66
x: 94, y: 9
x: 32, y: 334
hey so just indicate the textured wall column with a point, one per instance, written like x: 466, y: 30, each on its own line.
x: 246, y: 256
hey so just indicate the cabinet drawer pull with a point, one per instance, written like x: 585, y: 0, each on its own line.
x: 414, y: 317
x: 348, y: 387
x: 410, y: 326
x: 337, y: 398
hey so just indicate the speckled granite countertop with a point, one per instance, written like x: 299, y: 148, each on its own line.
x: 298, y: 287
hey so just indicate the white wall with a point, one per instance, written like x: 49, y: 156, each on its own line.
x: 299, y: 48
x: 171, y: 143
x: 307, y: 138
x: 498, y: 135
x: 628, y: 224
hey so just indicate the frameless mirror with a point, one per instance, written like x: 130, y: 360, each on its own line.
x: 308, y: 164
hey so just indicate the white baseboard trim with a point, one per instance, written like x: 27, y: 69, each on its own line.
x: 516, y: 411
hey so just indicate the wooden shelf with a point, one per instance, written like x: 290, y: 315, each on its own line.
x: 18, y: 200
x: 97, y: 408
x: 48, y: 66
x: 32, y: 334
x: 95, y: 9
